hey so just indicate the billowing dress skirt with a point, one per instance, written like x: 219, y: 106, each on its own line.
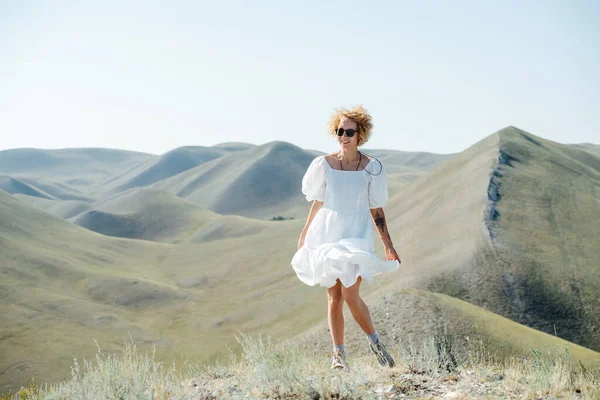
x: 339, y: 241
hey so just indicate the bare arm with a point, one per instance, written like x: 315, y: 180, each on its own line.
x: 384, y: 234
x: 316, y: 206
x: 379, y: 219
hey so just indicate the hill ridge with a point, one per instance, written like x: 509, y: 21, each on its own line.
x: 556, y: 181
x: 18, y: 186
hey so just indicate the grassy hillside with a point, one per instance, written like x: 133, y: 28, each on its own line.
x: 40, y: 188
x: 63, y: 286
x: 150, y: 214
x: 436, y: 222
x: 546, y: 235
x: 417, y: 160
x: 591, y: 148
x: 108, y: 173
x: 402, y: 316
x: 47, y: 265
x: 234, y: 146
x: 76, y: 168
x: 16, y: 186
x: 428, y: 366
x: 57, y: 190
x: 404, y: 167
x: 169, y: 164
x: 65, y: 209
x: 508, y: 225
x: 262, y: 181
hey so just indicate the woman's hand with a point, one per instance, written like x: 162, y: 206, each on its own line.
x: 392, y: 254
x: 300, y: 241
x: 314, y: 209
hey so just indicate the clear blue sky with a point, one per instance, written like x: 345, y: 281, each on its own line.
x: 436, y: 75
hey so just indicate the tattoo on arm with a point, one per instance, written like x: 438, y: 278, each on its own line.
x: 380, y: 223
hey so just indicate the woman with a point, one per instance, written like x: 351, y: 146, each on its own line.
x: 335, y: 249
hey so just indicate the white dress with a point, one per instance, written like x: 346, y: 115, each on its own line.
x: 339, y: 240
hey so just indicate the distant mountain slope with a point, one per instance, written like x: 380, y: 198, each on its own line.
x: 42, y: 188
x: 591, y: 148
x: 17, y: 186
x: 53, y: 162
x: 260, y: 181
x: 69, y: 174
x: 234, y: 146
x: 57, y: 190
x: 169, y: 164
x: 408, y: 159
x: 92, y: 175
x: 404, y: 167
x: 59, y: 208
x: 159, y: 216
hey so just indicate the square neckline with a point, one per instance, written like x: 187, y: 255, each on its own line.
x: 343, y: 170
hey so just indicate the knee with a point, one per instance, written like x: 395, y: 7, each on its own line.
x: 335, y: 300
x: 352, y: 299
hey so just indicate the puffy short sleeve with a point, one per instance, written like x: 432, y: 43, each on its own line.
x: 378, y: 186
x: 313, y: 182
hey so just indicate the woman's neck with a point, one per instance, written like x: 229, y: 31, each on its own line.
x: 349, y: 155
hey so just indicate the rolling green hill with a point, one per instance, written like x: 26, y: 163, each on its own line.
x: 76, y: 168
x: 41, y: 188
x: 155, y: 215
x: 508, y: 225
x: 417, y: 160
x: 403, y: 167
x: 546, y: 235
x: 17, y: 186
x: 259, y: 182
x: 63, y: 286
x: 99, y: 174
x: 591, y: 148
x: 65, y: 209
x: 169, y: 164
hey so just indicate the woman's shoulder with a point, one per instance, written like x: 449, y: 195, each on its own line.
x: 373, y: 166
x: 366, y: 163
x: 329, y: 158
x: 319, y: 159
x: 319, y: 163
x: 368, y: 157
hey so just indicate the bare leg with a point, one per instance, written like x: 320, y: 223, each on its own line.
x: 357, y: 307
x: 335, y: 314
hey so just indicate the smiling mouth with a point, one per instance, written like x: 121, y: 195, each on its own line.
x: 344, y: 142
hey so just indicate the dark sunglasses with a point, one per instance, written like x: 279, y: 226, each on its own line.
x: 349, y: 132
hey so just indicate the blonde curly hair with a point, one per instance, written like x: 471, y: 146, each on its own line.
x: 358, y: 114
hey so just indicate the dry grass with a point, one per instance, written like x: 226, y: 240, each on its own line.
x: 268, y: 370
